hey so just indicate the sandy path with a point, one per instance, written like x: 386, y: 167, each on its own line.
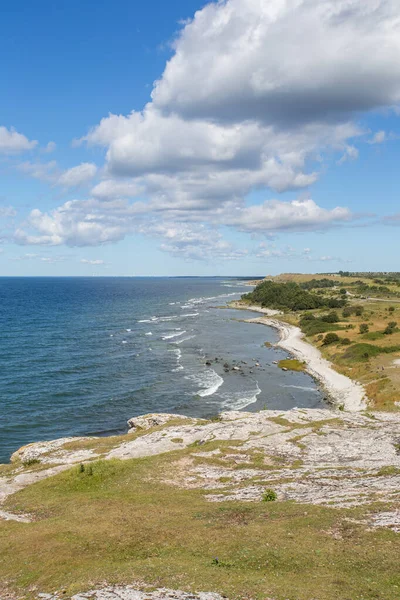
x: 341, y: 389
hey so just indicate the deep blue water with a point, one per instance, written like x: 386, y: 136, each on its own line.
x: 80, y: 356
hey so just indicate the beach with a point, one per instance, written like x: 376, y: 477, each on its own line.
x: 342, y: 391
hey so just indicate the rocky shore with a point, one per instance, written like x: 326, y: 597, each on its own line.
x: 309, y: 456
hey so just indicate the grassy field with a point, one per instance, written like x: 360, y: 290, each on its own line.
x: 119, y: 523
x: 371, y: 357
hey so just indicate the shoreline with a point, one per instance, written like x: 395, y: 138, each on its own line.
x: 342, y: 391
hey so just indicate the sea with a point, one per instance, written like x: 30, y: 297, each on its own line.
x: 80, y: 356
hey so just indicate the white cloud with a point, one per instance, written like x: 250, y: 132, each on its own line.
x: 351, y: 153
x: 75, y: 223
x: 12, y: 142
x: 256, y: 95
x: 43, y: 171
x: 284, y: 61
x: 298, y: 215
x: 77, y: 176
x: 7, y: 212
x: 378, y: 138
x: 98, y: 262
x: 50, y: 147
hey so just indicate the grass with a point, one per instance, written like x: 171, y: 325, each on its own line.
x: 122, y: 524
x: 292, y: 365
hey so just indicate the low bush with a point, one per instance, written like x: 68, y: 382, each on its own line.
x: 331, y: 338
x: 331, y: 317
x: 391, y: 328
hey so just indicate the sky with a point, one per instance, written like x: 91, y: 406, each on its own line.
x: 237, y: 137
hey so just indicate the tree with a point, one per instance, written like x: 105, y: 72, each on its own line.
x: 364, y: 328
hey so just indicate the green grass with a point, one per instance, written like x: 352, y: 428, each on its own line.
x: 362, y: 352
x: 122, y: 524
x: 292, y: 365
x: 374, y: 335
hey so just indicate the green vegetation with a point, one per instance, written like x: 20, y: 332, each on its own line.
x: 123, y: 524
x: 364, y: 328
x: 291, y: 364
x: 362, y: 352
x: 391, y: 328
x: 312, y: 325
x: 269, y: 496
x: 331, y: 338
x: 317, y: 283
x: 289, y: 296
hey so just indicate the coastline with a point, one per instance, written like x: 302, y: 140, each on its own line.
x: 342, y: 391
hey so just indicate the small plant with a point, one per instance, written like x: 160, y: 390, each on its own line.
x: 31, y: 461
x: 391, y: 309
x: 89, y: 470
x: 345, y: 342
x: 269, y: 496
x: 81, y: 468
x: 364, y: 328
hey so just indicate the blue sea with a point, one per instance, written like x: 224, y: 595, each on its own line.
x: 79, y: 356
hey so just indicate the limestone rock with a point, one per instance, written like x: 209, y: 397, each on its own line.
x: 152, y: 420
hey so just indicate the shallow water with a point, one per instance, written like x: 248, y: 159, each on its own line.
x: 79, y: 356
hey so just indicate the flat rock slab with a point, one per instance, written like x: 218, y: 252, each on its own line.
x: 130, y: 593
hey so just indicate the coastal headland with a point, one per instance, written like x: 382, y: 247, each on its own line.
x: 302, y: 504
x: 247, y: 505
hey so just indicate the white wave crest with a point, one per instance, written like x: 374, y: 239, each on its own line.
x: 210, y: 382
x: 173, y: 335
x: 190, y: 337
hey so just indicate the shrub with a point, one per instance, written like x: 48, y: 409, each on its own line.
x: 331, y: 338
x: 331, y: 317
x: 308, y: 317
x: 364, y: 328
x: 345, y: 342
x: 343, y: 291
x: 391, y: 328
x: 269, y: 496
x: 391, y: 309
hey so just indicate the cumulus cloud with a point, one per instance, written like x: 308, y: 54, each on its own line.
x: 77, y: 176
x: 75, y: 223
x: 298, y: 215
x: 255, y: 96
x: 12, y: 142
x: 284, y: 61
x: 96, y: 222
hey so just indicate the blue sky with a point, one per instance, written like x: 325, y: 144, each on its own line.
x: 245, y: 138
